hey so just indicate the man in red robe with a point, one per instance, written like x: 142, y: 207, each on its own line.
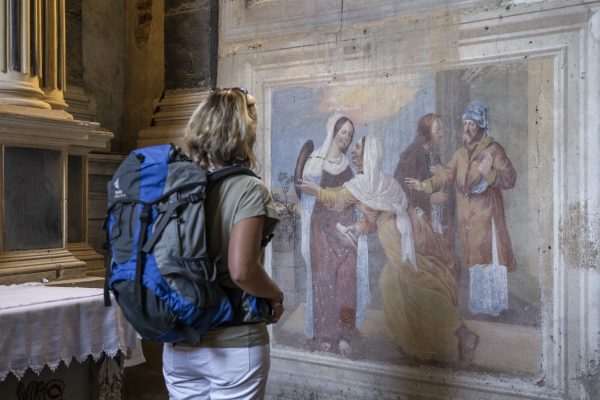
x: 420, y: 160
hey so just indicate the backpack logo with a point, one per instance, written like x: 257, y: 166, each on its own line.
x: 118, y: 192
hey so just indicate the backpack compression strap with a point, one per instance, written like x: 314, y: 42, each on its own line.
x: 168, y: 214
x: 145, y: 217
x: 213, y: 178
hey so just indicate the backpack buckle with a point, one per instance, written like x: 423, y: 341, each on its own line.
x: 195, y: 197
x: 265, y: 241
x: 145, y: 214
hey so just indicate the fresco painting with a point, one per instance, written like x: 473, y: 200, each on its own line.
x: 399, y: 200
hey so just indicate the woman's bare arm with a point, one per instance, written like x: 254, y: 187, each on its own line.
x: 244, y: 266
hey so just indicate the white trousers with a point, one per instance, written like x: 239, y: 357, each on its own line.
x: 198, y: 373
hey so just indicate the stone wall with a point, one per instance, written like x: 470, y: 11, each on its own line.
x: 103, y: 43
x: 144, y: 66
x: 122, y: 63
x: 191, y: 31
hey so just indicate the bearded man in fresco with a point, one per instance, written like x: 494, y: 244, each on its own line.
x: 480, y: 170
x: 420, y: 160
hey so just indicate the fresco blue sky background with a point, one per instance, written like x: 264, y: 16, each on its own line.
x: 297, y: 116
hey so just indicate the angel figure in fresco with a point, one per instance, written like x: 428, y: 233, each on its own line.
x: 337, y: 280
x: 418, y: 288
x: 480, y: 170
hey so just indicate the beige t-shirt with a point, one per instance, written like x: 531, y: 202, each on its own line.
x: 231, y: 200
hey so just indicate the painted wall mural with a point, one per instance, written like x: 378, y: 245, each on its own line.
x: 408, y: 209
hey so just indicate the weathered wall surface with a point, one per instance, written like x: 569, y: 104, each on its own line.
x: 191, y: 32
x: 122, y: 63
x: 144, y: 66
x: 103, y: 43
x: 384, y: 64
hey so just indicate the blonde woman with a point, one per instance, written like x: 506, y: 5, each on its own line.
x: 232, y: 362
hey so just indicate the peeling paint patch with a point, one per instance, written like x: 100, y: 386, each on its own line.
x: 143, y: 21
x: 579, y: 236
x: 515, y: 2
x: 591, y: 382
x: 228, y: 51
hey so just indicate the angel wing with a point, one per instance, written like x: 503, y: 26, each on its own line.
x: 304, y: 154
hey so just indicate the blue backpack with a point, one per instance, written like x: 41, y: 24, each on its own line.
x: 158, y: 266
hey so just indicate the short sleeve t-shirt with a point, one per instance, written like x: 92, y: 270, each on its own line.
x: 230, y: 201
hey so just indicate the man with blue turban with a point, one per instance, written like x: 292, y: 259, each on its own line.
x: 480, y: 170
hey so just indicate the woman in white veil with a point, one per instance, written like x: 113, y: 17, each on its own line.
x: 419, y: 291
x: 337, y: 294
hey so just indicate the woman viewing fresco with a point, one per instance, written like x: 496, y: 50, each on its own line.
x: 331, y: 262
x: 233, y: 360
x: 418, y: 288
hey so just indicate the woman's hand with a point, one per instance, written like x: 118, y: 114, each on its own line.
x: 346, y: 234
x: 437, y: 169
x: 414, y: 184
x: 277, y: 310
x: 307, y: 186
x: 485, y: 167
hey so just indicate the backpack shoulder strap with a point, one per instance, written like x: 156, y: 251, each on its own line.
x: 221, y: 174
x: 216, y: 176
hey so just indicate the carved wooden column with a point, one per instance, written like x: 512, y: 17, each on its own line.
x: 43, y: 151
x: 54, y: 52
x: 20, y: 54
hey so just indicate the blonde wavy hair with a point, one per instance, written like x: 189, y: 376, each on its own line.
x: 222, y: 130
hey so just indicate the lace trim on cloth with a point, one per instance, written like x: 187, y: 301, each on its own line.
x: 37, y: 366
x: 44, y: 326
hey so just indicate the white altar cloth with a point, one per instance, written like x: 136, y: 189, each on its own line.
x: 44, y: 325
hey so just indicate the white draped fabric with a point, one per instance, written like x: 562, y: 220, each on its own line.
x: 46, y: 325
x: 383, y: 193
x: 488, y: 284
x: 317, y: 162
